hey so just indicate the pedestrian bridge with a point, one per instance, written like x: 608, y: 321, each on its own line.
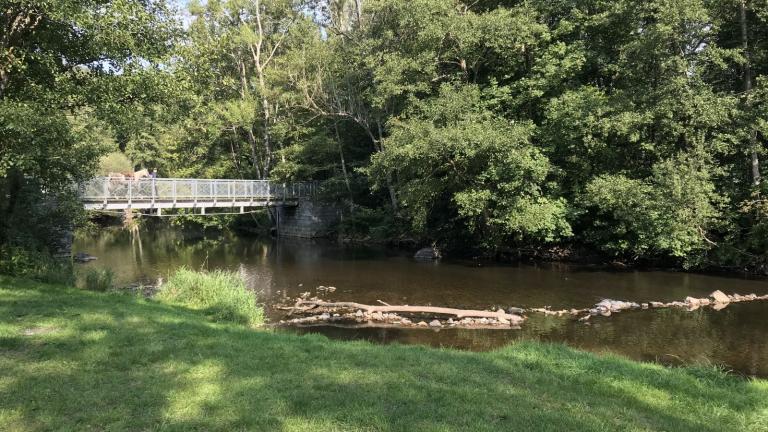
x: 113, y: 193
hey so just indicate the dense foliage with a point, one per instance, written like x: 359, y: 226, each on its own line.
x: 636, y: 129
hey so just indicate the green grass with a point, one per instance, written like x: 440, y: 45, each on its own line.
x: 219, y: 294
x: 80, y: 360
x: 99, y: 279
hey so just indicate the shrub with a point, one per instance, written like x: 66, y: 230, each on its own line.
x: 220, y: 294
x: 40, y: 266
x: 114, y: 162
x: 99, y: 279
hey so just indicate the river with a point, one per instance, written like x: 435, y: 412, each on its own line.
x: 735, y: 338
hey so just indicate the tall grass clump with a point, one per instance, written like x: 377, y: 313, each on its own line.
x: 222, y: 295
x: 99, y: 279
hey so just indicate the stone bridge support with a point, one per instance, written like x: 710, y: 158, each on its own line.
x: 308, y: 219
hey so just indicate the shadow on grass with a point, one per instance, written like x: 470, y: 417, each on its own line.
x: 120, y: 363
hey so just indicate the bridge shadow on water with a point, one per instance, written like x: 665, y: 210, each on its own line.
x: 128, y: 364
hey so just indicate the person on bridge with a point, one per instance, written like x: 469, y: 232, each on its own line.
x: 153, y: 176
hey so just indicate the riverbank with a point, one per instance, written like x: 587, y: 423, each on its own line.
x: 78, y: 360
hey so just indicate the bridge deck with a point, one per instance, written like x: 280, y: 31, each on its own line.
x: 104, y: 193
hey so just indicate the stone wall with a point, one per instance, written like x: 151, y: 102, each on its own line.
x: 310, y: 219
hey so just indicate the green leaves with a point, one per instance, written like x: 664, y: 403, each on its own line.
x: 456, y: 161
x: 668, y: 214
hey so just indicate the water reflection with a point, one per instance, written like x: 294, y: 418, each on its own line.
x: 279, y: 270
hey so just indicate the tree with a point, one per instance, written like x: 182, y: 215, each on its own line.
x: 64, y: 65
x: 460, y: 165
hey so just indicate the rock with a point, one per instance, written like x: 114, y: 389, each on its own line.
x: 720, y: 297
x: 427, y: 254
x: 484, y: 321
x: 336, y: 315
x: 377, y: 316
x: 422, y: 324
x: 657, y: 304
x: 83, y: 257
x: 435, y: 323
x: 406, y: 321
x: 325, y: 316
x: 504, y: 321
x: 359, y: 314
x: 644, y: 305
x: 515, y: 310
x: 450, y: 321
x: 692, y: 301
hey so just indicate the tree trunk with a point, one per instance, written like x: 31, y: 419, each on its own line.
x: 341, y: 158
x: 265, y: 131
x: 259, y: 65
x: 359, y: 12
x: 254, y: 152
x: 747, y: 70
x: 390, y: 186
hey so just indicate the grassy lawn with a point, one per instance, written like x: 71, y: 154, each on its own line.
x: 78, y: 360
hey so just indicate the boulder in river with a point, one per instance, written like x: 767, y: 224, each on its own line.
x: 720, y: 297
x: 83, y: 257
x: 427, y: 254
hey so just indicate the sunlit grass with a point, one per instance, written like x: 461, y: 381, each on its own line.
x: 112, y: 362
x: 220, y: 294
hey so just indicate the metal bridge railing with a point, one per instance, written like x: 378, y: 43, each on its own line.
x: 105, y: 189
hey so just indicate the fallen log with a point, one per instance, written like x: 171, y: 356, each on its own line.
x: 391, y: 325
x: 458, y: 313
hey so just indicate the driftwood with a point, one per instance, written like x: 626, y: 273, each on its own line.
x: 316, y: 312
x: 309, y: 312
x: 392, y: 325
x: 458, y: 313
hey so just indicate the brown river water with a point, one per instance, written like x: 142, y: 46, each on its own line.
x: 735, y: 338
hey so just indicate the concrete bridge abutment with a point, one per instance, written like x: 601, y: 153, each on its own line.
x: 308, y: 219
